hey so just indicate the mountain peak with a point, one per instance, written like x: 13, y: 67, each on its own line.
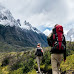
x: 6, y: 17
x: 28, y: 26
x: 70, y: 34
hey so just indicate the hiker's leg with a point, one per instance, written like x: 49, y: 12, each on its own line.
x: 54, y: 64
x: 38, y: 62
x: 60, y: 56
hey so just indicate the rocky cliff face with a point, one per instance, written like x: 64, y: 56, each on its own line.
x: 22, y: 37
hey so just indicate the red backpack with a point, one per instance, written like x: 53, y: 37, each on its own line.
x: 58, y: 38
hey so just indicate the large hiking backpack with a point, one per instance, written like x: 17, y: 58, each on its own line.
x: 58, y: 38
x: 39, y: 52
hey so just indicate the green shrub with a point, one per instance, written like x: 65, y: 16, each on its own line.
x: 46, y: 58
x: 69, y: 64
x: 18, y: 71
x: 32, y: 72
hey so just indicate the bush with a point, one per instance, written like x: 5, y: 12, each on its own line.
x: 46, y: 58
x: 69, y: 64
x: 18, y: 71
x: 32, y: 72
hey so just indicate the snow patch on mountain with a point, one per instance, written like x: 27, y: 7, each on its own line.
x: 28, y: 26
x: 70, y: 35
x: 47, y: 32
x: 6, y: 17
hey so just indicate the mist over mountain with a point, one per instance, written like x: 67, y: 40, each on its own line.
x: 70, y: 35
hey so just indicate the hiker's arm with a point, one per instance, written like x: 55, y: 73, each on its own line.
x: 49, y: 39
x: 65, y: 50
x: 65, y: 55
x: 41, y: 49
x: 49, y: 36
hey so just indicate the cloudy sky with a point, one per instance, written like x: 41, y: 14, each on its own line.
x: 43, y: 14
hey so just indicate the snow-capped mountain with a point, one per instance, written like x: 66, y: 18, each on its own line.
x: 6, y: 17
x: 70, y: 35
x: 28, y: 26
x: 13, y: 33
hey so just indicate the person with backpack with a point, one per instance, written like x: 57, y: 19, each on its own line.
x: 58, y: 48
x: 38, y: 53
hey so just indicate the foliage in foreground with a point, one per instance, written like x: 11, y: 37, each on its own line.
x: 69, y: 64
x: 22, y: 62
x: 13, y: 63
x: 25, y: 62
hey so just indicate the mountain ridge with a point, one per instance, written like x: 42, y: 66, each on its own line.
x: 70, y: 35
x: 13, y: 33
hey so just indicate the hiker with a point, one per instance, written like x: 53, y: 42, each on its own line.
x: 58, y: 48
x: 38, y: 53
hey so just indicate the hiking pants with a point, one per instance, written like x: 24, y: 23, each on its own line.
x: 38, y: 62
x: 55, y: 62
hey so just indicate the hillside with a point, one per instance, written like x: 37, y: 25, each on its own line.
x: 21, y: 37
x: 25, y: 62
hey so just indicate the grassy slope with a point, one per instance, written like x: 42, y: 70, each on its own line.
x: 25, y: 62
x: 4, y: 47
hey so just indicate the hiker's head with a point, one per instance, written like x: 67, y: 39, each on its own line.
x: 55, y: 25
x: 53, y: 30
x: 38, y: 45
